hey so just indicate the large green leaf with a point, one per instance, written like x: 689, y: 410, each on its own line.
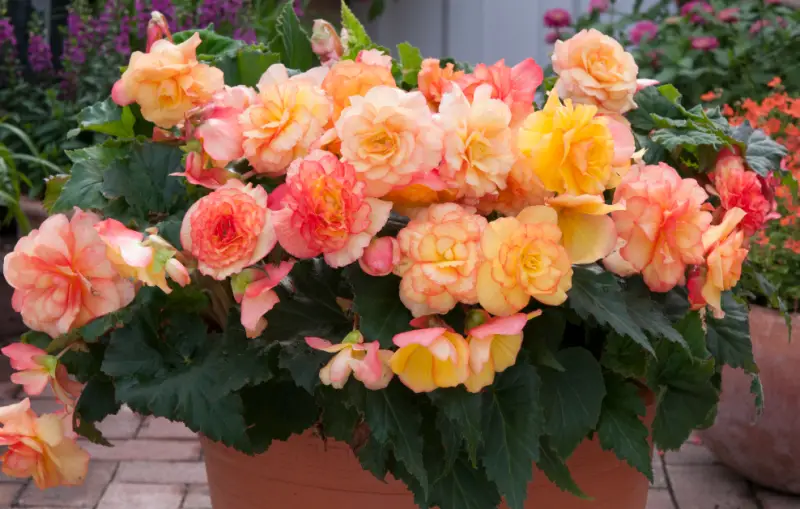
x: 729, y: 337
x: 556, y: 470
x: 465, y: 487
x: 621, y: 429
x: 463, y: 411
x: 624, y: 356
x: 295, y: 43
x: 693, y: 332
x: 572, y: 398
x: 651, y: 102
x: 84, y: 189
x: 377, y: 302
x: 393, y: 418
x: 647, y: 314
x: 597, y: 294
x: 411, y: 62
x: 357, y: 37
x: 211, y: 43
x: 338, y: 419
x: 108, y: 118
x: 513, y: 423
x: 97, y: 401
x: 303, y: 362
x: 297, y: 412
x: 763, y: 154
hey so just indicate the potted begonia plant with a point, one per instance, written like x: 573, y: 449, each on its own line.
x: 337, y: 266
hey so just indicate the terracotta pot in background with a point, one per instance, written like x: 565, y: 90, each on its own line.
x: 306, y: 472
x: 765, y: 450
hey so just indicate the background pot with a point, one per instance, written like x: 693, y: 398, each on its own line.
x: 765, y: 450
x: 305, y: 472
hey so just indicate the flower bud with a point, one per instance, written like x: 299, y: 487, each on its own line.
x: 380, y: 257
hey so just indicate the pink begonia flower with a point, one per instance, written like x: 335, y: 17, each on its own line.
x: 380, y: 257
x: 219, y: 131
x: 516, y: 86
x: 40, y: 447
x: 643, y: 83
x: 157, y: 29
x: 429, y: 359
x: 62, y: 277
x: 494, y: 347
x: 662, y: 225
x: 729, y: 15
x: 365, y: 361
x: 253, y: 289
x: 324, y: 210
x: 35, y: 369
x: 644, y: 30
x: 599, y: 6
x: 374, y: 57
x: 229, y: 229
x: 434, y: 81
x: 201, y: 172
x: 325, y: 42
x: 557, y: 18
x: 147, y: 261
x: 705, y: 43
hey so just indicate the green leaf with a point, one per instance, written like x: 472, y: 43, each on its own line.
x: 295, y: 43
x: 651, y: 102
x: 393, y: 418
x: 298, y: 412
x: 624, y: 356
x: 357, y: 38
x: 129, y: 354
x: 729, y: 337
x: 212, y: 42
x: 108, y: 118
x: 377, y: 302
x: 372, y: 456
x: 599, y: 295
x: 84, y: 189
x: 513, y: 423
x: 303, y: 362
x: 53, y: 187
x: 463, y: 410
x: 685, y: 393
x: 556, y: 470
x: 411, y: 61
x: 757, y: 390
x: 673, y: 138
x: 647, y: 314
x: 143, y: 180
x: 252, y: 64
x: 465, y: 487
x: 763, y: 154
x: 691, y: 328
x: 621, y: 429
x: 572, y: 399
x: 338, y: 419
x: 97, y: 400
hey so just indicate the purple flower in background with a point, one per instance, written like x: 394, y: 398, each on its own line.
x: 166, y: 8
x: 729, y: 15
x: 7, y: 32
x: 552, y: 37
x: 693, y: 9
x: 599, y: 5
x: 298, y: 7
x: 644, y: 30
x: 40, y: 58
x: 557, y: 18
x: 705, y: 43
x: 247, y: 35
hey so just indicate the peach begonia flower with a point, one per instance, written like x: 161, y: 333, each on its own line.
x: 62, y: 277
x: 38, y: 447
x: 478, y: 142
x: 523, y: 189
x: 434, y: 81
x: 429, y: 359
x: 35, y: 369
x: 726, y: 253
x: 569, y: 147
x: 739, y: 188
x: 595, y: 69
x: 661, y: 227
x: 366, y: 361
x: 524, y: 258
x: 389, y: 137
x: 220, y: 132
x: 494, y: 347
x: 290, y: 115
x: 325, y: 42
x: 588, y: 231
x: 348, y: 78
x: 374, y: 57
x: 380, y: 257
x: 167, y: 82
x: 148, y: 261
x: 323, y: 209
x: 253, y: 289
x: 424, y: 190
x: 229, y: 229
x: 201, y: 171
x: 440, y: 255
x: 516, y: 86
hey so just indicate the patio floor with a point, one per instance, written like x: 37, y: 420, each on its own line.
x: 157, y: 464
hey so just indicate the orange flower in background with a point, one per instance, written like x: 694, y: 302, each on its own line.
x: 775, y: 82
x: 516, y: 86
x: 167, y: 82
x: 429, y: 359
x: 229, y: 229
x: 62, y: 277
x: 709, y: 96
x: 440, y: 253
x: 434, y: 81
x: 595, y: 69
x: 661, y: 227
x: 524, y: 258
x: 726, y: 254
x: 739, y: 188
x: 348, y: 78
x: 38, y: 447
x: 290, y: 115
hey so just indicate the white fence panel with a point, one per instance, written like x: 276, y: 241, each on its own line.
x: 475, y: 30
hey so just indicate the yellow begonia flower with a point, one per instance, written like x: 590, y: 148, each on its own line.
x: 588, y: 231
x: 429, y: 359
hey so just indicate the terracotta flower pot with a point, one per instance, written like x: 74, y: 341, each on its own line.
x: 305, y: 472
x: 765, y: 450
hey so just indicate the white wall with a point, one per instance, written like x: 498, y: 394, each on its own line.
x: 474, y: 30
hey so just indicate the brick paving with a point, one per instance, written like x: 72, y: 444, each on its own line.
x: 157, y: 464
